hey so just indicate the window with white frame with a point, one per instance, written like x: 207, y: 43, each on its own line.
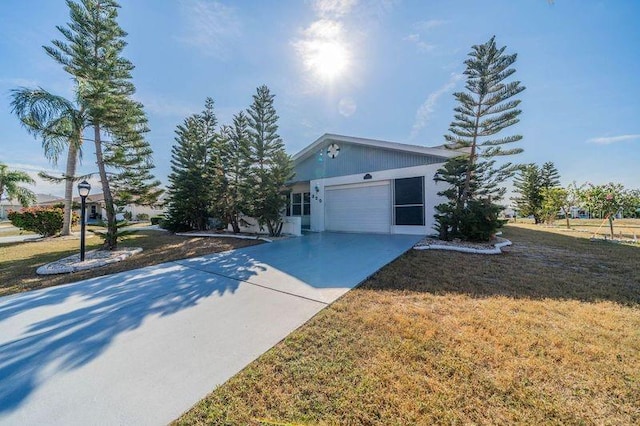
x: 298, y: 204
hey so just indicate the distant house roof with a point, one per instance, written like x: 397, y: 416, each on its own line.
x: 439, y: 151
x: 47, y: 199
x: 92, y: 198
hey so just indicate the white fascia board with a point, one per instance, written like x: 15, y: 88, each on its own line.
x: 438, y: 152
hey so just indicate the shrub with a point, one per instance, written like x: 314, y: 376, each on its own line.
x: 155, y: 220
x: 142, y: 216
x: 46, y: 221
x: 479, y: 220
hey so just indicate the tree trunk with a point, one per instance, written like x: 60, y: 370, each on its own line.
x: 70, y: 172
x: 111, y: 239
x: 611, y: 225
x: 233, y: 221
x: 472, y: 155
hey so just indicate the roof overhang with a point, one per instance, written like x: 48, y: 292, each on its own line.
x: 395, y: 146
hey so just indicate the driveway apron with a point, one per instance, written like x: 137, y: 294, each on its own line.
x: 142, y: 346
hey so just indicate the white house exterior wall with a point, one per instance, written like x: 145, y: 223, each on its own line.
x: 431, y: 198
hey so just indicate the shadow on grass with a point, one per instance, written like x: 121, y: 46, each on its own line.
x: 63, y: 328
x: 539, y: 265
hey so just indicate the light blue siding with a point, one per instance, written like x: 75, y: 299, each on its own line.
x: 354, y: 158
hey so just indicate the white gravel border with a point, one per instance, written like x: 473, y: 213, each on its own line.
x: 497, y: 248
x: 92, y: 259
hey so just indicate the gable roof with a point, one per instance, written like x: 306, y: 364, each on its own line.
x: 439, y: 151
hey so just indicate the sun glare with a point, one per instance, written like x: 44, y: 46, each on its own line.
x: 328, y: 60
x: 323, y: 51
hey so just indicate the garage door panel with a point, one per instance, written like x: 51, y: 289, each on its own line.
x: 365, y: 208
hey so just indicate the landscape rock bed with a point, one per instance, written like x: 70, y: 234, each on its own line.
x: 492, y: 247
x: 92, y: 259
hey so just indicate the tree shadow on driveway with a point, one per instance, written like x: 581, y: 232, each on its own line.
x: 66, y: 327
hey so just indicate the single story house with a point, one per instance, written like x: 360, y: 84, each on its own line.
x: 41, y: 200
x: 95, y: 206
x: 351, y: 184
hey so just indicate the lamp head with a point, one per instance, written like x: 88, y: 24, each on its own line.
x: 84, y: 188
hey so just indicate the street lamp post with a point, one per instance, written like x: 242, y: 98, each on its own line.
x: 83, y: 190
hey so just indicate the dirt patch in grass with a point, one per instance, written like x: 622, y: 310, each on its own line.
x: 19, y: 261
x: 547, y: 333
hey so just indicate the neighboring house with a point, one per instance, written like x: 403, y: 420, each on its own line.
x: 6, y: 206
x: 41, y: 200
x: 351, y: 184
x: 96, y: 208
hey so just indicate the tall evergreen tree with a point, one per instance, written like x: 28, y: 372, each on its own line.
x: 549, y: 176
x: 92, y: 53
x: 235, y: 158
x: 527, y: 185
x: 485, y: 109
x: 530, y: 183
x: 195, y: 167
x: 477, y: 219
x: 59, y: 123
x: 271, y: 166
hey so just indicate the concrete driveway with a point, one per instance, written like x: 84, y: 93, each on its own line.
x: 141, y: 347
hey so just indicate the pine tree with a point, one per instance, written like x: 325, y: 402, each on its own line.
x: 235, y: 157
x: 270, y: 166
x: 477, y: 219
x: 530, y: 183
x: 549, y: 176
x: 92, y: 53
x: 486, y: 109
x: 195, y: 167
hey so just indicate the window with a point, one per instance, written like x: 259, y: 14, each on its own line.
x: 299, y: 204
x: 296, y: 204
x: 409, y: 201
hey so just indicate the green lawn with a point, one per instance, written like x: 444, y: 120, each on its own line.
x: 547, y: 333
x: 19, y: 261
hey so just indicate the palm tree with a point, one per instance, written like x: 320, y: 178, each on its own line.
x: 9, y: 180
x: 59, y: 123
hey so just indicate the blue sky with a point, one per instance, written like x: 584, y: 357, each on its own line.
x: 383, y: 69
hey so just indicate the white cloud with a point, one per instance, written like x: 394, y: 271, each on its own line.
x: 608, y: 140
x: 210, y: 25
x: 421, y: 45
x: 347, y: 107
x: 333, y: 8
x: 430, y: 24
x: 423, y: 114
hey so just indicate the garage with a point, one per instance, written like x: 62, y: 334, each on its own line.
x: 363, y: 207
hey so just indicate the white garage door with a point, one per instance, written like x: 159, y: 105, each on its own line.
x: 358, y: 208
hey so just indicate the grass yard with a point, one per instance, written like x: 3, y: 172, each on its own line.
x: 19, y: 261
x: 547, y: 333
x: 622, y: 228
